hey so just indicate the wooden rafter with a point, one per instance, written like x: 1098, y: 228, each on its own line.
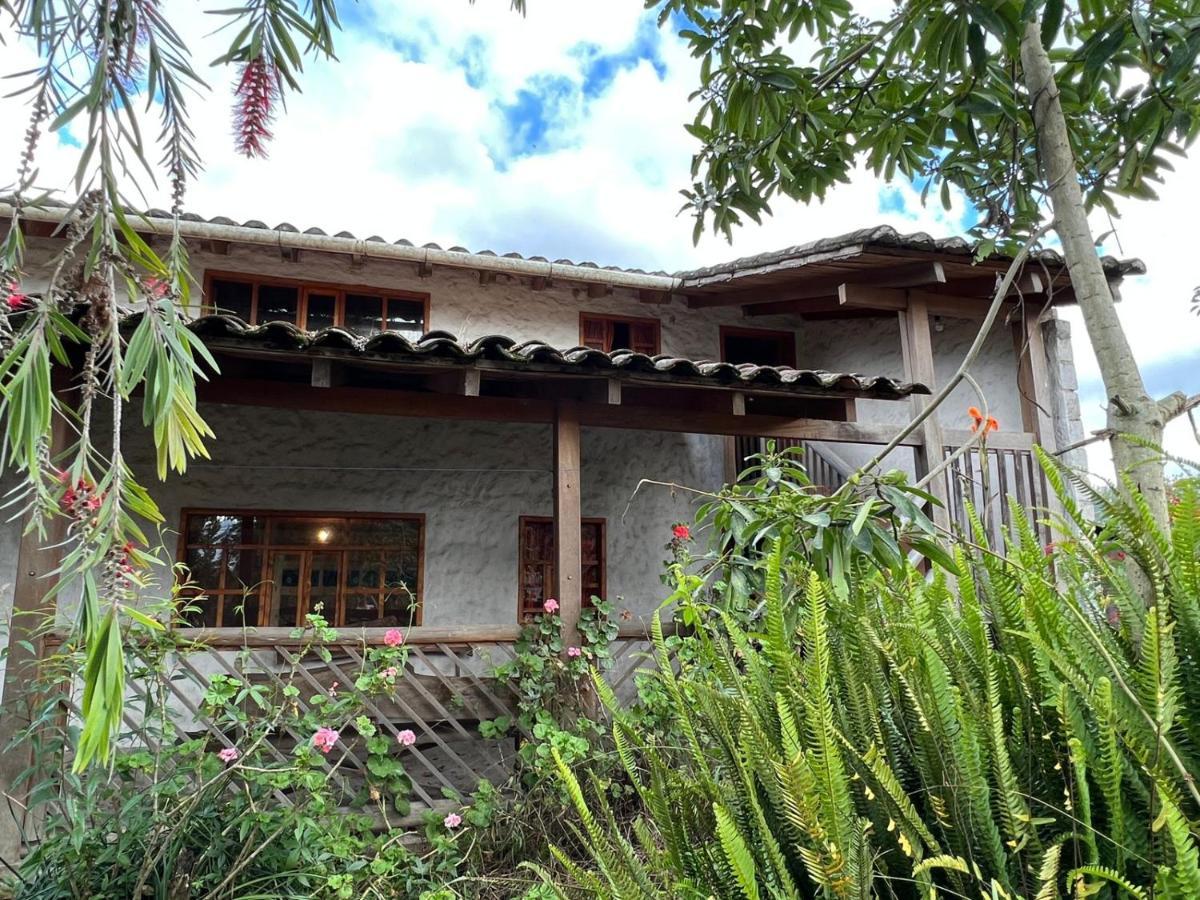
x: 898, y: 276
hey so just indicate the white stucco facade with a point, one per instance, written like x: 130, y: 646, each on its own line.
x: 473, y: 480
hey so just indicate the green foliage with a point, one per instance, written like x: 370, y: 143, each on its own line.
x: 279, y: 815
x: 1025, y: 730
x: 793, y: 95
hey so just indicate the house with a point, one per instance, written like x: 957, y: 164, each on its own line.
x: 444, y: 438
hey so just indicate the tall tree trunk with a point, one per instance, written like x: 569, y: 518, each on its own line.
x: 1131, y: 410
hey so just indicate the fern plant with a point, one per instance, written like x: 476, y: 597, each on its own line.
x: 1019, y: 722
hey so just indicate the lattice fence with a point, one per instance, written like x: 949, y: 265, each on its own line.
x: 442, y: 695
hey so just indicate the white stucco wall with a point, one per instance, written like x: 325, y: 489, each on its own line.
x: 473, y: 480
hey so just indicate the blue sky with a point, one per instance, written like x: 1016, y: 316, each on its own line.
x: 560, y: 134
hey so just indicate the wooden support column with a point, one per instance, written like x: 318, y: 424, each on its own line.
x: 1033, y: 382
x: 36, y: 559
x: 568, y: 563
x: 917, y: 348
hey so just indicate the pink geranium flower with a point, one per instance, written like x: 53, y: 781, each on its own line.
x: 391, y: 672
x: 550, y: 606
x: 574, y: 652
x: 682, y: 533
x: 406, y: 738
x: 453, y: 820
x: 228, y: 755
x: 393, y: 637
x: 324, y: 739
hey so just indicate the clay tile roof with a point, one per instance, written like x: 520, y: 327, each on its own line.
x: 229, y: 330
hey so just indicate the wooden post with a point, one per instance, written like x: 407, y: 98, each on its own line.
x: 568, y: 520
x: 917, y: 349
x: 36, y: 559
x: 1033, y: 381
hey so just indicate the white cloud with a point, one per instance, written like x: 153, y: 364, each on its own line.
x: 406, y: 136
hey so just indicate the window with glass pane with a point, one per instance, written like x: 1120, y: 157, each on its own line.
x: 536, y: 572
x: 257, y: 569
x: 235, y: 298
x: 278, y: 303
x: 364, y: 314
x: 321, y: 311
x: 316, y: 306
x: 405, y: 316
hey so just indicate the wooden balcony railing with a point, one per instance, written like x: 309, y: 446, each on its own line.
x: 988, y: 479
x: 823, y: 471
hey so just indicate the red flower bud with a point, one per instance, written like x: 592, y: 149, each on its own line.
x: 254, y: 107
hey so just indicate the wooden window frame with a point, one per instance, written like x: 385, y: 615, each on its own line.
x: 265, y: 547
x: 304, y: 288
x: 631, y: 320
x: 784, y: 337
x: 522, y: 521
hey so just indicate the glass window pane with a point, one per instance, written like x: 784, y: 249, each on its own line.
x: 320, y: 311
x: 400, y: 534
x: 243, y: 569
x: 231, y: 298
x: 361, y: 608
x: 277, y: 303
x: 224, y: 530
x: 204, y: 564
x: 406, y: 316
x: 199, y: 612
x: 363, y: 314
x: 285, y: 588
x: 240, y: 611
x: 313, y: 532
x: 401, y: 606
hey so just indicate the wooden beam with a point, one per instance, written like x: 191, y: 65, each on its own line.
x: 568, y: 552
x: 899, y: 276
x: 36, y: 561
x: 656, y: 297
x: 598, y: 290
x: 739, y: 403
x: 486, y: 277
x: 857, y: 297
x: 424, y: 269
x: 539, y: 283
x: 327, y: 373
x: 1033, y: 382
x: 613, y: 391
x: 917, y: 349
x: 380, y: 401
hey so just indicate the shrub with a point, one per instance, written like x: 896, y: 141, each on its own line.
x: 1024, y: 725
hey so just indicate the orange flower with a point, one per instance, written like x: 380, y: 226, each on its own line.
x: 977, y: 420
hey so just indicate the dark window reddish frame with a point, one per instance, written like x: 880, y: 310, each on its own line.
x: 305, y: 289
x: 536, y: 563
x: 231, y: 591
x: 784, y: 341
x: 596, y: 331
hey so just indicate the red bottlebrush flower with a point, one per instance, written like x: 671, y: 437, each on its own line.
x: 682, y: 533
x: 155, y: 288
x: 16, y: 298
x: 1050, y: 548
x: 92, y: 503
x: 254, y: 107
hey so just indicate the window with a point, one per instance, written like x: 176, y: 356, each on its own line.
x: 537, y: 577
x: 608, y: 334
x: 757, y: 346
x: 259, y: 569
x: 363, y: 311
